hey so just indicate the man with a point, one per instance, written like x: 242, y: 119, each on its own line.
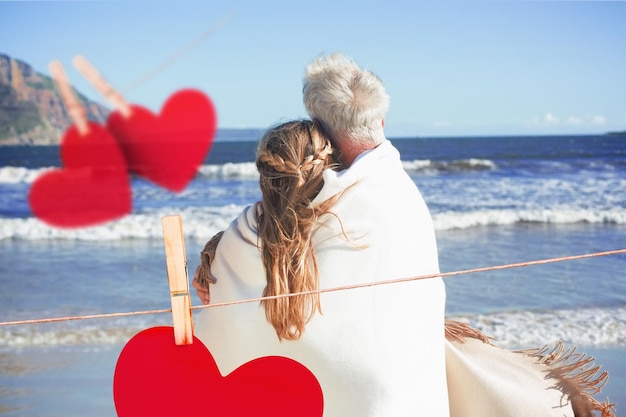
x: 482, y: 379
x: 383, y: 203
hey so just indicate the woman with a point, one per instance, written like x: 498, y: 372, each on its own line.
x: 371, y: 349
x: 290, y: 160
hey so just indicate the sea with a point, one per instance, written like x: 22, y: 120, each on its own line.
x: 494, y: 201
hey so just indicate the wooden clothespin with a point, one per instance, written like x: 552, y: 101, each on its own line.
x: 99, y: 83
x: 75, y: 109
x: 177, y: 277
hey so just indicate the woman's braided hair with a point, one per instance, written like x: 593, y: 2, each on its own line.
x: 291, y: 159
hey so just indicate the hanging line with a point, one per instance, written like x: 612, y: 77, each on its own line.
x: 134, y: 85
x: 176, y: 56
x: 333, y: 289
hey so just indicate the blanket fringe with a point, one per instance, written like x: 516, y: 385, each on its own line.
x: 457, y: 331
x: 578, y: 378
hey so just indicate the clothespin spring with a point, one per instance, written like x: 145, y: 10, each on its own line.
x: 177, y: 275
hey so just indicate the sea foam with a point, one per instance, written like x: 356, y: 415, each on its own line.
x: 598, y: 327
x: 248, y: 170
x: 564, y: 215
x: 526, y: 329
x: 202, y: 222
x: 197, y: 223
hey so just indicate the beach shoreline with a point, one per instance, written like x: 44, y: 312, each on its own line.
x: 78, y: 381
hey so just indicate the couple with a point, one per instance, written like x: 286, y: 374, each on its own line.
x: 338, y: 209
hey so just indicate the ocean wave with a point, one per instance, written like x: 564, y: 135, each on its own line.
x: 38, y: 336
x: 428, y: 166
x: 83, y: 332
x: 229, y: 170
x: 599, y: 327
x: 527, y: 329
x: 242, y: 170
x: 503, y: 217
x: 20, y: 175
x: 198, y: 223
x: 247, y: 170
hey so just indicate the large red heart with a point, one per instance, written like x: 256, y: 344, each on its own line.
x: 155, y: 378
x: 92, y: 186
x: 169, y: 148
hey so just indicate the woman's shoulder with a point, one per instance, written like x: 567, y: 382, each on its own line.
x: 246, y: 225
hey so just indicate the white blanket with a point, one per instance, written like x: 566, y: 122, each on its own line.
x: 487, y: 381
x: 376, y: 351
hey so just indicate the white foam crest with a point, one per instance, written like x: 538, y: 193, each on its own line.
x: 91, y: 332
x: 418, y: 165
x: 229, y: 170
x: 17, y: 175
x: 599, y: 327
x: 25, y: 336
x: 244, y: 170
x: 429, y: 166
x: 474, y: 163
x: 464, y: 220
x: 197, y: 223
x: 527, y: 329
x: 206, y: 221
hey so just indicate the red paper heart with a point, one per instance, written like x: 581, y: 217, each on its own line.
x: 169, y: 148
x: 92, y: 187
x: 154, y: 377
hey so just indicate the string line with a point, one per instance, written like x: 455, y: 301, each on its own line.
x: 421, y: 277
x: 176, y: 56
x: 326, y: 290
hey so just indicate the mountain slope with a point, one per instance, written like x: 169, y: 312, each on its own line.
x: 31, y: 109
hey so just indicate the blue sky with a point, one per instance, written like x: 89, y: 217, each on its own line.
x: 451, y: 67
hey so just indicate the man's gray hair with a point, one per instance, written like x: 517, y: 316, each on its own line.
x: 347, y: 100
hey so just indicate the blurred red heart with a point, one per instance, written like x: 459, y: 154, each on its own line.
x: 154, y: 377
x: 169, y: 148
x: 91, y: 187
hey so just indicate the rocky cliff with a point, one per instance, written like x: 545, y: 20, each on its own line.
x: 31, y: 109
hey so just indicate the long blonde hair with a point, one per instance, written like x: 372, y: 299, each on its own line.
x: 291, y: 159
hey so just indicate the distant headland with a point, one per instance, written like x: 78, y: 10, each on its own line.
x: 32, y: 111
